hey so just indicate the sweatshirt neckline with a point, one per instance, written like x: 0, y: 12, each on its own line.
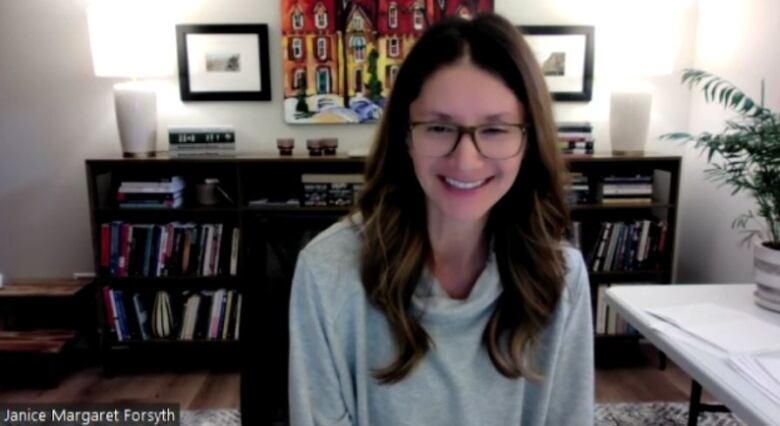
x: 432, y: 301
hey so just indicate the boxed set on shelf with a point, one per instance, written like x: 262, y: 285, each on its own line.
x: 164, y: 194
x: 331, y: 190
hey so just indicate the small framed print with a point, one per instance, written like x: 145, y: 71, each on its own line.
x: 565, y: 54
x: 223, y: 62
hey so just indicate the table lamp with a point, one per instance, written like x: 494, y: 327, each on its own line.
x: 133, y: 39
x: 629, y: 120
x: 639, y: 56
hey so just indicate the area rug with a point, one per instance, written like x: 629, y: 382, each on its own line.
x: 623, y: 414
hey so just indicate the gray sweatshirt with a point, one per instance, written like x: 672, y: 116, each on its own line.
x: 337, y: 338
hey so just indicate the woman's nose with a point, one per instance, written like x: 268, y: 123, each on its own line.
x: 466, y: 154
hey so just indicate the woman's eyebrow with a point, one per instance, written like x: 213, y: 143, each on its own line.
x: 491, y: 118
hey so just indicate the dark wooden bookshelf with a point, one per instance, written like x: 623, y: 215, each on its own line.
x: 271, y: 236
x: 665, y: 170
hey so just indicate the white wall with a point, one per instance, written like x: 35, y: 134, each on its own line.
x: 739, y: 42
x: 54, y: 113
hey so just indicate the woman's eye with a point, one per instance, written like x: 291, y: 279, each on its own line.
x: 494, y: 130
x: 439, y: 128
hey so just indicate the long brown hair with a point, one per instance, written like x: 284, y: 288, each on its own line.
x: 526, y: 225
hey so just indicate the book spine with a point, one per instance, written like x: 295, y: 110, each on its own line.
x: 105, y: 248
x: 217, y: 250
x: 219, y: 332
x: 109, y: 308
x: 120, y: 308
x: 601, y: 309
x: 114, y: 264
x: 238, y: 318
x: 234, y: 252
x: 142, y: 315
x: 228, y: 314
x: 116, y: 316
x: 147, y: 251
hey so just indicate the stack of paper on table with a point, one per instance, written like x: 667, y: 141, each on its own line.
x: 762, y: 371
x: 751, y: 345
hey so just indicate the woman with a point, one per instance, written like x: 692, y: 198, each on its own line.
x: 448, y: 298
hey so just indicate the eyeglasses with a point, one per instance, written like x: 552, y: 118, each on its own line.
x: 494, y: 141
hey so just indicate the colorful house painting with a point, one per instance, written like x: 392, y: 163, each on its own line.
x: 341, y: 57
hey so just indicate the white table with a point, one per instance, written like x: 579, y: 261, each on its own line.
x: 705, y: 367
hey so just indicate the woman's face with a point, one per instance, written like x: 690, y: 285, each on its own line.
x: 464, y: 185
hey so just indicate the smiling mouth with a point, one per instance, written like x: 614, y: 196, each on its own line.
x: 465, y: 185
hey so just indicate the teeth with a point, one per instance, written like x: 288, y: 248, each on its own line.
x: 464, y: 185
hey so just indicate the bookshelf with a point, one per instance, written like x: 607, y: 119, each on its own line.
x: 659, y: 206
x: 244, y: 179
x: 271, y: 235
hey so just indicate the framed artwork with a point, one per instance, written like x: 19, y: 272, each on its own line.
x: 223, y: 62
x: 565, y: 54
x: 341, y: 57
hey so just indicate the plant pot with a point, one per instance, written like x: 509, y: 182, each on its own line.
x: 766, y: 273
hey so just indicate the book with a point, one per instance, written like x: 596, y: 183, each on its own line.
x: 142, y: 316
x: 105, y: 244
x: 110, y: 312
x: 601, y: 309
x: 227, y: 314
x: 234, y: 252
x: 238, y: 318
x: 575, y: 126
x: 166, y: 185
x: 115, y: 314
x: 119, y: 306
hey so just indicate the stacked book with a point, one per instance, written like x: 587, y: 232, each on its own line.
x: 578, y: 189
x: 332, y: 190
x: 164, y: 194
x: 575, y: 138
x: 173, y: 249
x: 637, y: 189
x: 203, y: 315
x: 628, y: 246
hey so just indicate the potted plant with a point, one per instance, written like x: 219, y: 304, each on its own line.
x: 746, y: 156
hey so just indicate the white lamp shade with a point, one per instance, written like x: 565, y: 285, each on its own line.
x: 629, y: 120
x: 131, y: 38
x: 136, y: 117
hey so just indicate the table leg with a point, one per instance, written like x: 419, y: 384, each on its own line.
x: 694, y: 407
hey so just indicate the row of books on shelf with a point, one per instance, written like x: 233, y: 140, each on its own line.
x: 636, y: 189
x: 164, y: 250
x: 575, y: 138
x: 202, y: 315
x: 608, y: 322
x: 166, y: 193
x: 628, y: 246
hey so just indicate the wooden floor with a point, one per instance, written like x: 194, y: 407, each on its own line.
x: 203, y: 389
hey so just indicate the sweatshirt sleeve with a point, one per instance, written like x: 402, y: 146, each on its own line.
x: 315, y: 395
x: 572, y: 399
